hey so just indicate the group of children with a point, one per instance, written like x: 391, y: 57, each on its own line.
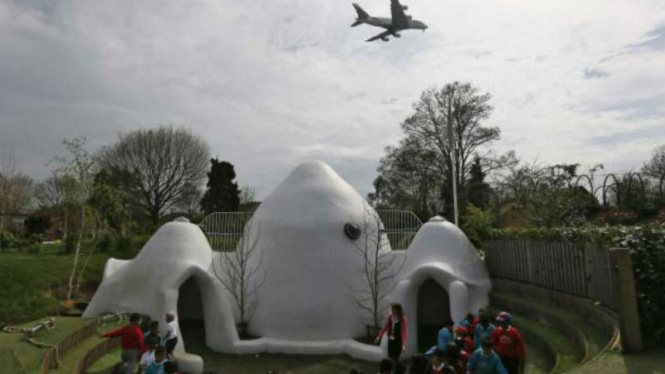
x: 152, y: 352
x: 480, y: 345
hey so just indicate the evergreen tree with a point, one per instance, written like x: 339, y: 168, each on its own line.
x: 478, y: 192
x: 222, y: 192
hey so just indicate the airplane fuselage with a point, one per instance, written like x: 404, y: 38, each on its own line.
x: 387, y: 23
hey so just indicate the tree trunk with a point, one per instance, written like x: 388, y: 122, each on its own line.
x: 76, y: 257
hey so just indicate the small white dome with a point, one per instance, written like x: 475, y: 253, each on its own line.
x: 441, y: 241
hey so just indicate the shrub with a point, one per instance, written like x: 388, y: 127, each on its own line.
x: 107, y: 242
x: 477, y: 224
x: 123, y: 243
x: 37, y: 224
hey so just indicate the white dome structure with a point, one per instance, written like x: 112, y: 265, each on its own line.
x: 307, y: 268
x: 307, y: 259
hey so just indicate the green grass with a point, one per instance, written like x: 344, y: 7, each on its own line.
x: 595, y: 339
x: 26, y: 280
x: 650, y: 362
x: 70, y: 359
x: 16, y: 353
x: 569, y: 357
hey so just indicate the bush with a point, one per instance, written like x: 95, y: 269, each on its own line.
x: 33, y: 248
x: 477, y: 224
x: 10, y: 241
x: 37, y: 224
x: 107, y: 242
x: 123, y: 243
x: 7, y: 241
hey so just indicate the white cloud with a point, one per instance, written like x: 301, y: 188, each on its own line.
x: 272, y: 83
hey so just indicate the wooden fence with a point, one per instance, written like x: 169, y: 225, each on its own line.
x: 579, y: 269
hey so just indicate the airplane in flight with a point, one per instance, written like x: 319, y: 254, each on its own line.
x: 399, y: 21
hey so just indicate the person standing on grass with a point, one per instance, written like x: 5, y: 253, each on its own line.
x: 509, y: 344
x: 171, y: 337
x: 395, y: 329
x: 132, y: 343
x: 485, y: 361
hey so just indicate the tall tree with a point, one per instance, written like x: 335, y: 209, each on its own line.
x: 419, y: 169
x: 222, y: 192
x: 409, y: 178
x: 165, y: 163
x: 462, y: 108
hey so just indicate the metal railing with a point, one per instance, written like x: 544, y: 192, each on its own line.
x: 400, y: 226
x: 225, y: 229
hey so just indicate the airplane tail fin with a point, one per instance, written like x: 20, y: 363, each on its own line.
x: 362, y: 15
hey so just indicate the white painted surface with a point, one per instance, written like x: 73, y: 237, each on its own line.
x: 304, y: 306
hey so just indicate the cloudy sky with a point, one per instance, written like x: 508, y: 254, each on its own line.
x: 271, y: 83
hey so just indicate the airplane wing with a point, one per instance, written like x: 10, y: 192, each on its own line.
x: 380, y: 36
x: 399, y: 18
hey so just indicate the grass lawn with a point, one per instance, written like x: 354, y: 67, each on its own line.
x: 16, y: 353
x: 27, y: 280
x: 649, y: 362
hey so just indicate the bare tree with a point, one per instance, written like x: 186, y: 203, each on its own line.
x: 247, y: 194
x: 655, y: 168
x: 379, y: 266
x: 15, y: 188
x: 58, y: 193
x: 79, y: 167
x: 165, y: 163
x: 418, y: 171
x: 239, y: 274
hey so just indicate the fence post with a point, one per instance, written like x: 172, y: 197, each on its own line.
x: 629, y: 319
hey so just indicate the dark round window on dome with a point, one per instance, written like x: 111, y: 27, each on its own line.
x: 352, y: 230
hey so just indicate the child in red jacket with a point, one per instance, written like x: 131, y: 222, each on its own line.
x: 508, y: 344
x: 464, y: 340
x: 131, y: 341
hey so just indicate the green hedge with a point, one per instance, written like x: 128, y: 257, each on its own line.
x: 647, y: 247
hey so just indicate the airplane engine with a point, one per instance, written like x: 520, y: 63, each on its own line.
x: 397, y: 35
x: 385, y: 39
x: 404, y: 7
